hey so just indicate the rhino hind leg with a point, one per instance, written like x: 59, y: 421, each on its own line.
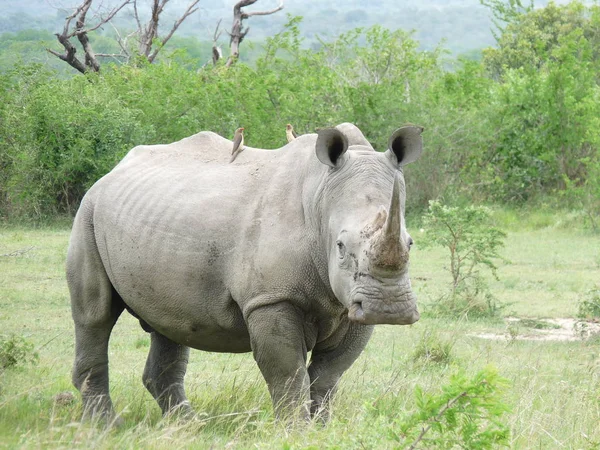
x: 164, y: 373
x: 95, y: 308
x: 90, y: 372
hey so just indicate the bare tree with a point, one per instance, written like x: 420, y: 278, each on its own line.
x: 217, y: 53
x: 238, y: 33
x: 81, y: 32
x: 149, y: 42
x: 148, y: 34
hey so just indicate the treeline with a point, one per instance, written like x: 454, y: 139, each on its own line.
x: 520, y: 125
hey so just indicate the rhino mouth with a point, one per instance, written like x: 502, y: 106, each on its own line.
x: 400, y: 308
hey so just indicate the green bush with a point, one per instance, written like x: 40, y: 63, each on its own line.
x: 16, y: 350
x: 472, y: 243
x: 466, y: 414
x: 60, y: 137
x: 519, y: 126
x: 589, y: 305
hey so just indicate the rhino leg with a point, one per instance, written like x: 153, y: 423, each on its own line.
x: 163, y: 376
x: 95, y: 308
x: 279, y: 348
x: 90, y: 372
x: 329, y: 363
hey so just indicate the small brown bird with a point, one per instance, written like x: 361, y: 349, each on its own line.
x: 290, y: 133
x: 238, y: 143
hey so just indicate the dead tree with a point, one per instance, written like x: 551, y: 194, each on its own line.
x: 81, y: 32
x: 148, y: 34
x: 238, y: 33
x: 217, y: 53
x: 149, y: 42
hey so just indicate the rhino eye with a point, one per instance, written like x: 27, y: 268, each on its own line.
x: 341, y: 249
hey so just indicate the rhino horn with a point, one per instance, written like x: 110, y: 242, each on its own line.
x: 393, y: 224
x: 387, y: 249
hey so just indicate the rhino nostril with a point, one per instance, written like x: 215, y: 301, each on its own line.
x: 356, y: 310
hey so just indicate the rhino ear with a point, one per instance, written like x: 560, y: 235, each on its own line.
x: 331, y: 147
x: 405, y: 145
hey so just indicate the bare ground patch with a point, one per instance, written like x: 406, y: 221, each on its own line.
x: 561, y: 329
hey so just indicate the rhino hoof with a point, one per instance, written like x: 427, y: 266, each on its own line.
x: 183, y: 411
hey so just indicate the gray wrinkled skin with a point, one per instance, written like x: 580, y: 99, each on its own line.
x: 280, y: 253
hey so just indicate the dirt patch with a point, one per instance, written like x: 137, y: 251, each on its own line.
x: 544, y: 330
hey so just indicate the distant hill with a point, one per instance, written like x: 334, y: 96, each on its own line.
x: 464, y: 25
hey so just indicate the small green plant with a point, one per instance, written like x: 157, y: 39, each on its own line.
x: 512, y: 332
x: 433, y: 348
x: 466, y: 414
x: 142, y: 342
x: 473, y: 243
x: 16, y: 350
x: 589, y: 305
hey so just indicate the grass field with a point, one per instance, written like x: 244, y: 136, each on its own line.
x: 554, y: 392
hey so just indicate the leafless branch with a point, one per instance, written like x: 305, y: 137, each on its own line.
x: 123, y: 43
x: 19, y: 252
x: 69, y: 55
x: 150, y: 32
x: 217, y: 54
x: 81, y: 32
x: 191, y: 9
x: 238, y: 33
x: 90, y: 57
x: 111, y: 55
x: 137, y: 17
x: 102, y: 21
x: 264, y: 13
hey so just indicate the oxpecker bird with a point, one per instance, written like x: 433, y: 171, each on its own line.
x: 290, y: 133
x: 238, y: 143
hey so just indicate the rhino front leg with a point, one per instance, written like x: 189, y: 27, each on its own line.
x: 329, y: 363
x: 164, y: 373
x: 279, y: 348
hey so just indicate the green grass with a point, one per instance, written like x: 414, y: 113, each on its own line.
x: 554, y: 393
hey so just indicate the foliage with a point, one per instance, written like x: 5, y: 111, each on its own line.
x: 16, y: 350
x: 434, y: 348
x: 518, y: 126
x: 583, y: 193
x: 589, y: 305
x: 467, y: 413
x: 545, y: 106
x: 532, y: 36
x: 59, y: 137
x: 472, y: 244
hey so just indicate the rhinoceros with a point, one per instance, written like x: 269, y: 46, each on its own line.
x: 280, y: 253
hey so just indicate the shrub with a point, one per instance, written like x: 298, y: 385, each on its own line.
x: 16, y: 350
x: 589, y: 305
x: 433, y: 348
x: 472, y: 244
x: 466, y: 414
x: 60, y: 137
